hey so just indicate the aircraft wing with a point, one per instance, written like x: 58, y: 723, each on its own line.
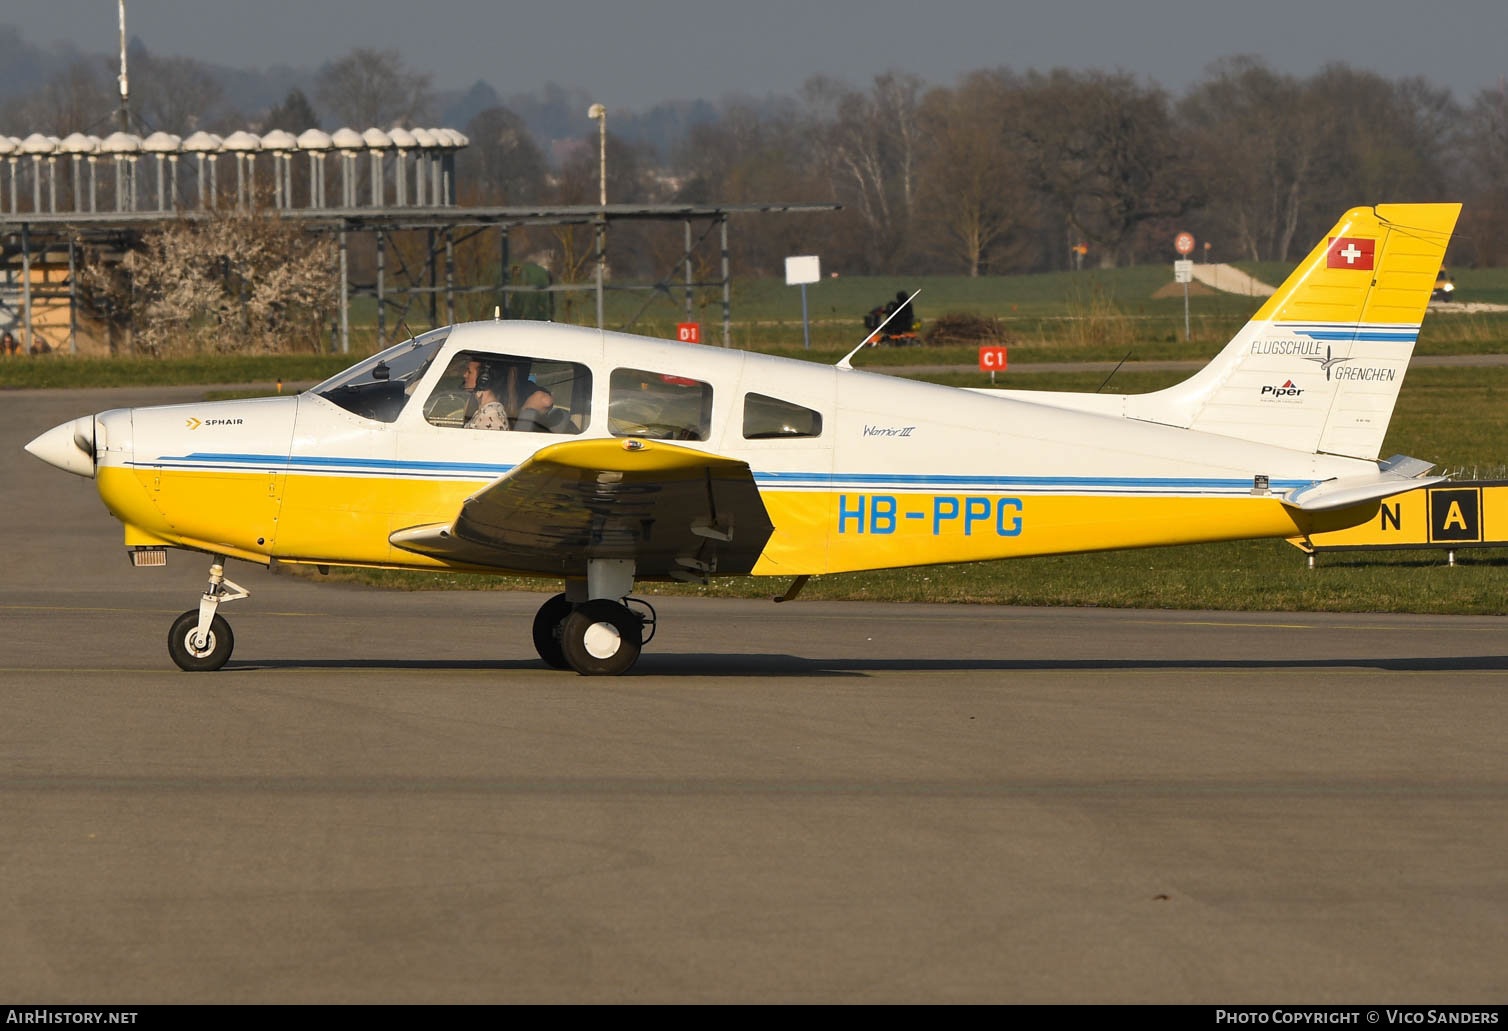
x: 677, y: 512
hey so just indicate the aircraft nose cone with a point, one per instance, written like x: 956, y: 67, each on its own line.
x: 69, y: 446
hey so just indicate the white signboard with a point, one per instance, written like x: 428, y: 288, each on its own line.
x: 806, y: 268
x: 1183, y: 271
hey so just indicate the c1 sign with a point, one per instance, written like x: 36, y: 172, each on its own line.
x: 992, y: 358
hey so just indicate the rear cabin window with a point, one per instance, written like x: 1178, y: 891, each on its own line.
x: 658, y: 406
x: 767, y: 418
x: 484, y: 391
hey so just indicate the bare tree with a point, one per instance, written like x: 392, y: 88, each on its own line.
x: 1385, y: 137
x: 1485, y: 177
x: 503, y: 165
x: 1255, y: 142
x: 974, y: 195
x: 294, y: 114
x: 78, y: 99
x: 178, y: 95
x: 869, y: 144
x: 761, y: 153
x: 371, y: 87
x: 1101, y: 147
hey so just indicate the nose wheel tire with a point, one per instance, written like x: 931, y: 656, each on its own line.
x: 602, y: 638
x: 211, y: 655
x: 549, y: 628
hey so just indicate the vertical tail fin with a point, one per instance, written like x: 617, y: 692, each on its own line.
x: 1318, y: 368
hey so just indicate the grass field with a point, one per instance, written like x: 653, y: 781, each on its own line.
x: 1059, y: 316
x: 1100, y: 315
x: 60, y: 371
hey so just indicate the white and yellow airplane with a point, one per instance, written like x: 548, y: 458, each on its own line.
x: 626, y: 458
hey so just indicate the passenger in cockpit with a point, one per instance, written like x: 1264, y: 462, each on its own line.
x: 483, y: 380
x: 527, y: 402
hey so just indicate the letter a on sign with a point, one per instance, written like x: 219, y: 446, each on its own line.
x: 1455, y: 514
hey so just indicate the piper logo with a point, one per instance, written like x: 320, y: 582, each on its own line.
x: 1286, y: 390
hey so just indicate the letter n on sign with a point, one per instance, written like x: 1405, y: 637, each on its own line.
x: 688, y: 332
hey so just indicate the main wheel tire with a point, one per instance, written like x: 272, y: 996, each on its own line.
x: 602, y: 638
x: 212, y: 656
x: 549, y: 628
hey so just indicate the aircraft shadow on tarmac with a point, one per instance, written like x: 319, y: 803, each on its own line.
x: 780, y: 665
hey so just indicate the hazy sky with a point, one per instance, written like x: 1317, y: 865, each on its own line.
x: 641, y: 51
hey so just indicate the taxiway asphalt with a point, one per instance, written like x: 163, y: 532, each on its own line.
x: 387, y: 798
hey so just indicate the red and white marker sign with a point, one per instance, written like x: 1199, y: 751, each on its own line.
x: 1183, y: 243
x: 688, y: 332
x: 992, y: 358
x: 1351, y: 252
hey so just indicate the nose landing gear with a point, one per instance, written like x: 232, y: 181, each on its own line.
x: 200, y: 640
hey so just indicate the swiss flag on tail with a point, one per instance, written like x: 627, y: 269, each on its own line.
x: 1351, y: 252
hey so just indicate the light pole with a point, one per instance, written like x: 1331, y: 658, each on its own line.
x: 125, y: 83
x: 598, y: 112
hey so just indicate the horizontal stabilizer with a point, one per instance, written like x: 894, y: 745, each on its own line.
x: 1397, y: 475
x: 1403, y: 465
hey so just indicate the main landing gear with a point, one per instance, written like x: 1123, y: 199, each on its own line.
x: 588, y: 628
x: 200, y: 639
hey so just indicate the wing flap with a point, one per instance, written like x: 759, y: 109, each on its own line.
x: 672, y: 509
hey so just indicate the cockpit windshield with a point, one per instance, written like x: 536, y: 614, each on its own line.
x: 380, y: 386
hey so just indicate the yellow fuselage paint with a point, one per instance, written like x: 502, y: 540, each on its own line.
x: 835, y: 532
x: 347, y: 520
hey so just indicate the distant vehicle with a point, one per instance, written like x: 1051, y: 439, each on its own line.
x: 900, y: 331
x: 1445, y: 287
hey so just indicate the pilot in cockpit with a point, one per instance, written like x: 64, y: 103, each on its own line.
x: 504, y: 397
x: 483, y: 381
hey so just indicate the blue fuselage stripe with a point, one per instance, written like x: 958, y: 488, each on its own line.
x: 200, y: 461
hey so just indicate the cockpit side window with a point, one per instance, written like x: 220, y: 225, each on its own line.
x: 658, y: 405
x: 768, y: 417
x: 481, y: 390
x: 379, y: 387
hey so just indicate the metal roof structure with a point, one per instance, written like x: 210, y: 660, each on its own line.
x: 355, y: 218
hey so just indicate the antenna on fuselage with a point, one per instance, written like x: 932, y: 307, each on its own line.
x: 843, y: 363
